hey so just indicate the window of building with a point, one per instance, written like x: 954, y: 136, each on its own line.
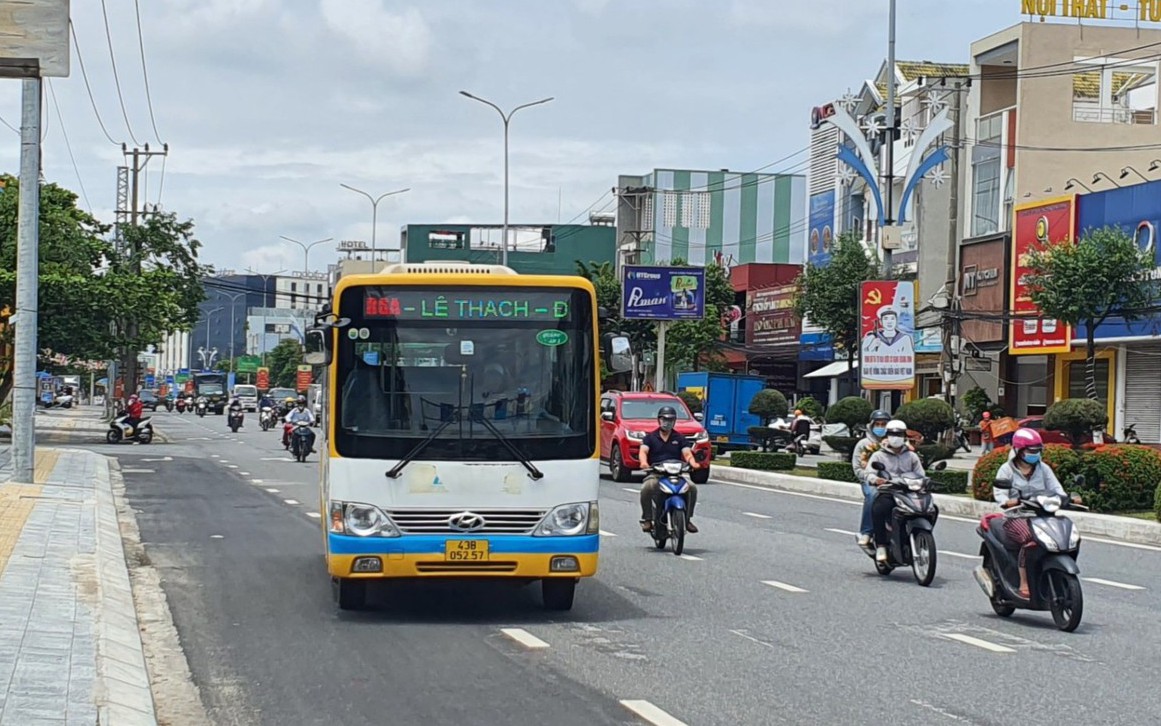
x: 1115, y: 92
x: 445, y: 240
x: 987, y: 159
x: 669, y: 209
x: 695, y: 210
x: 647, y: 213
x: 294, y: 287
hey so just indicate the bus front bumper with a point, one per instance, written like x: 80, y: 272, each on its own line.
x: 504, y: 556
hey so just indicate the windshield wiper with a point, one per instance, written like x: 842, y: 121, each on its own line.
x: 535, y: 473
x: 393, y: 472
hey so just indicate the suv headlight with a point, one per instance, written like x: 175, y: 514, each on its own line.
x: 361, y: 520
x: 635, y: 435
x: 702, y: 436
x: 570, y: 520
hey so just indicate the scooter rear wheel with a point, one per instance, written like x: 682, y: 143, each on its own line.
x: 677, y: 530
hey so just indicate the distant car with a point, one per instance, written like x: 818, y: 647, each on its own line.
x: 627, y: 417
x: 1036, y: 423
x: 247, y: 395
x: 149, y: 400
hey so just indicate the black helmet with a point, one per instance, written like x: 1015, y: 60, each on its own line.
x: 667, y: 412
x: 301, y: 400
x: 880, y: 415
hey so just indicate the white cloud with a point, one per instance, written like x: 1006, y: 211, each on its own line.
x: 819, y: 18
x: 401, y: 40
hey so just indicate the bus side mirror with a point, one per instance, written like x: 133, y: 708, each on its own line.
x: 318, y: 352
x: 620, y: 354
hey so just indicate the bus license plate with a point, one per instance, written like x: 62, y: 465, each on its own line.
x: 466, y: 550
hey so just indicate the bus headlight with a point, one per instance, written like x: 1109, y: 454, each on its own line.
x: 361, y: 520
x: 569, y: 520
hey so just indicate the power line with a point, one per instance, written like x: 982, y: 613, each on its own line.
x: 161, y: 184
x: 68, y: 146
x: 145, y: 72
x: 89, y: 88
x: 116, y: 76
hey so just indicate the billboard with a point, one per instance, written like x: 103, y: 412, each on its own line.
x: 887, y: 324
x: 771, y: 319
x: 662, y: 293
x: 822, y: 234
x: 982, y: 273
x: 1137, y: 210
x: 1036, y: 225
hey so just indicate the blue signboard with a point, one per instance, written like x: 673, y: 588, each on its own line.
x: 150, y: 381
x: 822, y: 235
x: 1137, y: 210
x: 662, y: 293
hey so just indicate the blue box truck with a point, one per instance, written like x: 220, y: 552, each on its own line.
x: 726, y: 404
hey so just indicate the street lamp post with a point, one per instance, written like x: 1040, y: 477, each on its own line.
x: 233, y: 300
x: 507, y: 118
x: 306, y: 250
x: 209, y: 317
x: 266, y: 285
x: 374, y: 209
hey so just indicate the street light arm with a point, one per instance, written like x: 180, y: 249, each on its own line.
x: 486, y: 103
x: 529, y: 105
x: 358, y: 191
x: 384, y: 195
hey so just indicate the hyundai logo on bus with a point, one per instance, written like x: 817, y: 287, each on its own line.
x: 466, y: 522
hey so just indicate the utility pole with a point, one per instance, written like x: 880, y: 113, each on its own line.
x: 889, y: 176
x: 952, y: 341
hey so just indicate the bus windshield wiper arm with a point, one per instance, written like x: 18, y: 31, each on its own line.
x: 535, y: 473
x: 393, y: 472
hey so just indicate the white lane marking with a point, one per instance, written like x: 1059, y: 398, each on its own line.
x: 1133, y: 545
x: 940, y: 711
x: 752, y: 639
x: 793, y: 494
x: 216, y: 536
x: 691, y: 558
x: 272, y: 491
x: 164, y: 458
x: 961, y: 555
x: 631, y: 491
x: 755, y: 515
x: 223, y: 461
x: 244, y: 473
x: 274, y: 458
x: 993, y: 647
x: 291, y: 501
x: 783, y: 586
x: 607, y: 534
x: 523, y: 637
x: 138, y: 471
x: 257, y: 481
x: 214, y: 456
x: 315, y: 515
x: 843, y: 531
x: 1110, y: 583
x: 231, y: 466
x: 652, y: 714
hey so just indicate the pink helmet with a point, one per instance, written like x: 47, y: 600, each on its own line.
x: 1023, y: 438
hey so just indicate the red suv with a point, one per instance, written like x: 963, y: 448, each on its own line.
x: 627, y: 417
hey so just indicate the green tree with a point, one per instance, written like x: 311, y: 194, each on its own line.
x: 283, y: 362
x: 929, y: 416
x: 1104, y: 274
x: 853, y: 411
x: 1077, y: 418
x: 769, y: 404
x: 810, y: 407
x: 604, y: 278
x: 829, y: 295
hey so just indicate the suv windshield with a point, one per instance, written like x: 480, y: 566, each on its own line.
x: 413, y: 359
x: 646, y: 408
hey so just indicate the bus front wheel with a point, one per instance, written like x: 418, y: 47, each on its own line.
x: 558, y: 593
x: 349, y: 594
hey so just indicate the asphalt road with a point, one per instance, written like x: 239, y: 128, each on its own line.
x: 773, y: 616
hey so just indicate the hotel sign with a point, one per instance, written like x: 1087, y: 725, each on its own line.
x: 1146, y: 10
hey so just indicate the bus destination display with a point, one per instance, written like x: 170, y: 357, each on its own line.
x: 400, y: 304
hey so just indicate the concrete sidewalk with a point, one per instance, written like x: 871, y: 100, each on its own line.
x: 70, y: 648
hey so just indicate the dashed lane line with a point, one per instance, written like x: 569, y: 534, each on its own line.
x: 1111, y: 583
x: 292, y: 501
x: 691, y: 558
x: 651, y: 714
x: 986, y: 645
x: 842, y: 531
x: 313, y: 515
x: 271, y: 490
x: 784, y: 586
x: 607, y: 534
x: 960, y: 555
x: 523, y: 637
x: 755, y: 515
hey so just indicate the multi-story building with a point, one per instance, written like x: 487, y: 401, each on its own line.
x: 301, y: 290
x: 548, y: 249
x: 703, y: 216
x: 221, y: 325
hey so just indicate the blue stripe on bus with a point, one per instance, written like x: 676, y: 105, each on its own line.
x: 434, y: 544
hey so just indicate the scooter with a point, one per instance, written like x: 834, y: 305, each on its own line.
x: 300, y: 441
x: 120, y: 430
x: 318, y: 414
x: 200, y: 407
x: 961, y: 440
x: 266, y: 418
x: 234, y: 420
x: 669, y: 519
x: 1053, y: 575
x: 1130, y: 434
x: 169, y: 404
x: 180, y: 405
x: 912, y: 526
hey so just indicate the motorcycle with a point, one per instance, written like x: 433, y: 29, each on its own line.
x: 912, y: 526
x: 669, y: 519
x: 1053, y: 576
x: 234, y: 420
x: 180, y: 405
x: 120, y: 430
x: 300, y: 444
x: 200, y: 407
x: 961, y: 440
x: 1130, y: 434
x: 169, y: 404
x: 266, y: 418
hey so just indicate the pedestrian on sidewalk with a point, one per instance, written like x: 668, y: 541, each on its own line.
x: 986, y: 432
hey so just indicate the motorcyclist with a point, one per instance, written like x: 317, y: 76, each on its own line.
x: 134, y: 410
x: 266, y: 402
x: 799, y: 428
x: 299, y: 413
x: 876, y: 430
x: 899, y: 461
x: 287, y: 406
x: 664, y: 444
x: 1027, y: 473
x: 235, y: 408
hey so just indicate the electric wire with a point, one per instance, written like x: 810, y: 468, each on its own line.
x: 145, y: 71
x: 161, y: 184
x: 5, y: 122
x: 88, y: 87
x: 116, y: 76
x: 68, y: 146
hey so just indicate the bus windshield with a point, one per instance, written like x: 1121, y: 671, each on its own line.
x: 211, y: 388
x: 474, y: 368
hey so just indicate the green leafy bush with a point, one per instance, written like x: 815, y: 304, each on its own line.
x: 1077, y: 418
x: 769, y: 404
x: 762, y: 461
x: 691, y: 401
x: 853, y: 411
x: 949, y: 481
x: 844, y: 445
x: 1157, y: 503
x: 1065, y: 462
x: 836, y: 471
x: 929, y: 416
x: 810, y: 407
x: 976, y: 401
x: 1118, y: 478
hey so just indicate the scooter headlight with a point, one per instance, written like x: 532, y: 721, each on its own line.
x: 1044, y: 536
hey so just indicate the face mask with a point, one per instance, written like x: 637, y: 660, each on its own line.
x: 895, y: 442
x: 667, y: 425
x: 879, y: 431
x: 1032, y: 458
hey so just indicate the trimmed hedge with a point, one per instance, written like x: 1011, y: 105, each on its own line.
x: 762, y: 461
x: 931, y: 453
x: 1157, y: 503
x: 840, y: 471
x: 1063, y: 460
x: 844, y: 445
x: 949, y: 481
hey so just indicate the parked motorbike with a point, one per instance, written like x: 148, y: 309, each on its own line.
x: 234, y: 420
x: 201, y: 406
x: 300, y: 444
x: 1053, y: 575
x: 266, y: 418
x: 1130, y: 435
x: 120, y: 430
x: 912, y: 526
x: 669, y: 519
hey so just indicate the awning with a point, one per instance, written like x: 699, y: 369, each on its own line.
x: 830, y: 370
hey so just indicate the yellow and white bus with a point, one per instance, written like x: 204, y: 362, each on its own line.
x: 460, y: 435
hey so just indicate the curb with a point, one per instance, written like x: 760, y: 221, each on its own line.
x: 1127, y: 529
x: 123, y: 691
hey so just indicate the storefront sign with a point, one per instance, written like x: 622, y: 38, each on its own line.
x: 771, y: 319
x: 818, y: 114
x: 983, y: 265
x: 1145, y: 11
x: 974, y: 278
x: 1037, y: 225
x: 887, y: 352
x: 663, y: 293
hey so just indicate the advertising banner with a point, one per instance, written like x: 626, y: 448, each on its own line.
x: 662, y: 293
x: 304, y: 378
x: 822, y: 235
x: 1036, y: 225
x: 887, y: 351
x: 771, y: 319
x: 263, y: 379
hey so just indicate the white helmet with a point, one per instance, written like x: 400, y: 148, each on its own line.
x: 895, y: 427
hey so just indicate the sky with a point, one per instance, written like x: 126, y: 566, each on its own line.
x: 269, y: 105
